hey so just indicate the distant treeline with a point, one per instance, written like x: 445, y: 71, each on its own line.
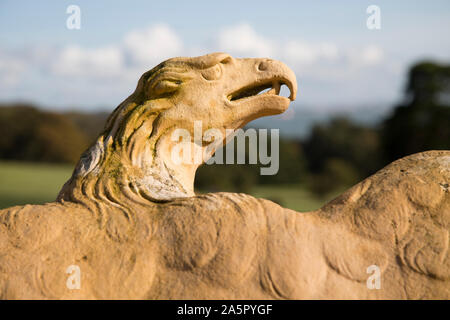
x: 336, y: 153
x: 31, y: 134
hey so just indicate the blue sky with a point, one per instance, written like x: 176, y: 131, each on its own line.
x: 340, y: 64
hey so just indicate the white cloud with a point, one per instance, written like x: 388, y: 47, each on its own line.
x: 152, y: 45
x: 372, y: 55
x: 367, y: 56
x: 140, y: 49
x: 11, y: 69
x: 71, y: 74
x: 302, y: 52
x: 242, y: 40
x: 99, y: 62
x: 328, y: 51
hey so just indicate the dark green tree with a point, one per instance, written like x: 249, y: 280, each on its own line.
x: 422, y: 122
x: 340, y: 138
x: 29, y: 134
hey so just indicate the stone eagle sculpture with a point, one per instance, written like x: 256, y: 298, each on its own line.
x: 129, y: 220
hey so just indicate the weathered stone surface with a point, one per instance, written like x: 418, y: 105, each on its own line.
x: 129, y: 219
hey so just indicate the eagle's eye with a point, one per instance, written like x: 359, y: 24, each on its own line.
x: 164, y: 87
x: 213, y: 73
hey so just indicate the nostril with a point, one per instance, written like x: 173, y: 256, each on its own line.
x: 262, y: 66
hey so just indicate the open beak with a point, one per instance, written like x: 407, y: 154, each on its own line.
x: 259, y: 89
x: 256, y: 93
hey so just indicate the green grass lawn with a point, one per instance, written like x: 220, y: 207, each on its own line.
x: 35, y: 183
x: 22, y: 183
x: 296, y: 197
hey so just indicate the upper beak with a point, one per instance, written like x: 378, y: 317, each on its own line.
x: 281, y: 72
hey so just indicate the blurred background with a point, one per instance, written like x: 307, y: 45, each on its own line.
x: 366, y: 96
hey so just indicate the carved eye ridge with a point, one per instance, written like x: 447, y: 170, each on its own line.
x: 212, y: 73
x: 165, y: 86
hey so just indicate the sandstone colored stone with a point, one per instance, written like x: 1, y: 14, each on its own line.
x: 129, y: 219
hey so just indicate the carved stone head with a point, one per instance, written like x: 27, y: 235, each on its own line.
x: 133, y: 154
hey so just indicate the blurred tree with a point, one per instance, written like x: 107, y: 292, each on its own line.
x: 242, y: 177
x: 91, y: 124
x: 428, y: 84
x: 423, y: 121
x: 292, y: 164
x: 33, y: 135
x: 341, y: 139
x: 337, y: 173
x: 226, y: 177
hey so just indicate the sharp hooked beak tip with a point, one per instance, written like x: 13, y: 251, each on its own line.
x: 293, y: 90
